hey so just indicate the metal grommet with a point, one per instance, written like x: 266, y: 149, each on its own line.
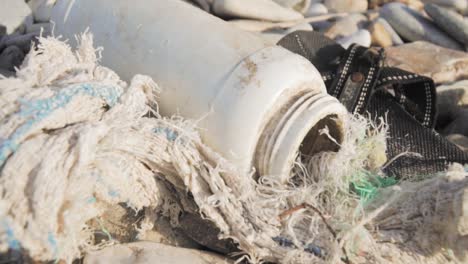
x: 357, y: 77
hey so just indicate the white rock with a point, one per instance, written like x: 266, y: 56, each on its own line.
x: 303, y: 26
x: 255, y: 9
x: 251, y: 25
x: 316, y: 10
x: 298, y: 5
x: 361, y: 37
x: 42, y: 9
x: 271, y: 38
x: 350, y: 6
x: 12, y: 14
x: 149, y: 253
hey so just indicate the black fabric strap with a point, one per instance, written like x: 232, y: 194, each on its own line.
x: 358, y: 78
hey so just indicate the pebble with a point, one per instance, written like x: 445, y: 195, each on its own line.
x: 395, y: 37
x: 372, y: 15
x: 316, y: 10
x: 450, y: 21
x: 413, y: 26
x: 251, y: 25
x: 413, y: 4
x: 255, y: 9
x: 339, y: 6
x: 45, y: 28
x: 346, y: 26
x: 12, y: 14
x: 6, y: 73
x: 459, y: 125
x: 11, y: 57
x: 441, y: 64
x: 150, y: 252
x: 322, y: 26
x: 274, y: 36
x: 42, y: 10
x: 380, y: 36
x: 451, y: 98
x: 459, y: 140
x: 460, y: 5
x: 298, y: 5
x: 21, y: 41
x: 3, y: 31
x: 361, y: 37
x: 302, y: 26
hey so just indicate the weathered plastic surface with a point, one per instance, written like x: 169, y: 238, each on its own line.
x: 226, y: 78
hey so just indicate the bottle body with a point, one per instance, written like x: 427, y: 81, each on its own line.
x: 239, y: 88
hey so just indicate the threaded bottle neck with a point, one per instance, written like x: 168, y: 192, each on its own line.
x: 295, y: 129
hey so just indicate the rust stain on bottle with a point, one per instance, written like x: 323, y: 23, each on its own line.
x: 251, y: 72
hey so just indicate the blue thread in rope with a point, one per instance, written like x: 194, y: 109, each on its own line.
x: 13, y: 243
x: 52, y: 242
x: 113, y: 193
x: 91, y: 200
x: 37, y: 110
x: 171, y: 134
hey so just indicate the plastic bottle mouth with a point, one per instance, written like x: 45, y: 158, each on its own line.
x: 296, y: 129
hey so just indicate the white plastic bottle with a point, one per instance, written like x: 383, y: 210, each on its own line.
x: 257, y: 103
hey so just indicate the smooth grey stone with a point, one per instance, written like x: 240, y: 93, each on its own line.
x: 395, y: 37
x: 316, y: 10
x: 42, y: 10
x: 450, y: 21
x: 413, y: 26
x: 45, y: 28
x: 451, y: 99
x: 361, y: 37
x: 321, y: 25
x: 11, y: 57
x: 24, y: 42
x: 459, y: 125
x: 460, y: 5
x: 6, y: 73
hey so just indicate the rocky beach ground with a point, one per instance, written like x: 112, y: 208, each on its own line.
x: 427, y: 37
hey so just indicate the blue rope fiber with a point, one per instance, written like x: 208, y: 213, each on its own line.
x: 37, y: 110
x: 13, y: 243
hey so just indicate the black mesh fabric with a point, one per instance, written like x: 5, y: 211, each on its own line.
x: 358, y: 78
